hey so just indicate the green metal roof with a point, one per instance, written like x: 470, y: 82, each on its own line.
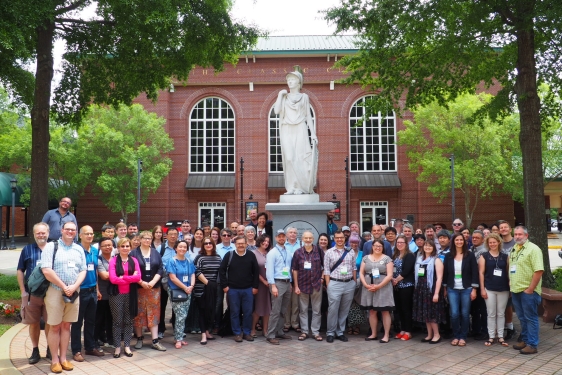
x: 301, y: 44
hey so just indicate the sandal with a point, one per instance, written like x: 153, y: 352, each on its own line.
x: 455, y: 342
x: 350, y: 331
x: 259, y: 327
x: 490, y: 342
x: 356, y: 331
x: 178, y: 344
x: 406, y: 337
x: 286, y: 329
x: 317, y: 337
x: 298, y: 329
x: 186, y: 343
x: 502, y: 342
x: 462, y: 342
x: 303, y: 337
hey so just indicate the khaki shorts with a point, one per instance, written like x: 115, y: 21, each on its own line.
x: 58, y: 311
x: 32, y: 313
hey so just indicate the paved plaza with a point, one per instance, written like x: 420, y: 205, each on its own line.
x: 224, y: 356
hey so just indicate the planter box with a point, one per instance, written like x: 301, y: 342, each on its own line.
x: 551, y: 303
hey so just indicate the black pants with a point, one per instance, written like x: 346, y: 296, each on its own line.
x: 404, y: 300
x: 104, y: 322
x: 479, y: 314
x: 87, y: 317
x: 219, y: 306
x: 206, y: 318
x: 163, y: 305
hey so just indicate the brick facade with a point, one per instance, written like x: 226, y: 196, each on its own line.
x: 251, y: 108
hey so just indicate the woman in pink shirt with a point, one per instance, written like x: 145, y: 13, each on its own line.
x: 124, y: 272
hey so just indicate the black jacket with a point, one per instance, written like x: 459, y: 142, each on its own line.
x: 469, y: 271
x: 408, y: 266
x: 156, y: 266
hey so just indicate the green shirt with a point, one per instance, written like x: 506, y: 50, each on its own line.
x: 527, y: 260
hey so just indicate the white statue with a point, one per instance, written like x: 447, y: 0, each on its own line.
x: 300, y: 159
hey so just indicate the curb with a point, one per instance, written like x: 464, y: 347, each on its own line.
x: 554, y: 247
x: 6, y: 366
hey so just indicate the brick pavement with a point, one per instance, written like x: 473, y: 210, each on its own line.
x: 224, y: 356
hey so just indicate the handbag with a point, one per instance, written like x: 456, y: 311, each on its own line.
x: 37, y: 283
x: 178, y: 295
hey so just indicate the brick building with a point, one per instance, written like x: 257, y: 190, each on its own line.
x: 216, y: 119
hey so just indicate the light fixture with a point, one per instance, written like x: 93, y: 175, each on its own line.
x: 251, y: 196
x: 172, y: 88
x: 251, y: 86
x: 331, y: 85
x: 13, y: 184
x: 334, y: 196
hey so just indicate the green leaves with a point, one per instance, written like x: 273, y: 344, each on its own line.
x: 483, y: 150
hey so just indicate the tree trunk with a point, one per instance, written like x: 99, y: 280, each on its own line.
x: 528, y: 103
x: 40, y: 124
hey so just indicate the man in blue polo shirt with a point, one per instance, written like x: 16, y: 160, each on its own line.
x: 32, y: 307
x: 57, y: 217
x: 88, y: 301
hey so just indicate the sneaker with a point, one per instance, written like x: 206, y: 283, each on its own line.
x: 160, y: 335
x: 48, y: 354
x: 138, y: 344
x: 158, y: 346
x: 35, y: 356
x: 519, y: 346
x: 248, y: 337
x: 528, y: 350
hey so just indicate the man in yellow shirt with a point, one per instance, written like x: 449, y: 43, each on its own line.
x: 525, y: 277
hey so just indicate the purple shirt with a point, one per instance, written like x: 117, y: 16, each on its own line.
x: 309, y: 279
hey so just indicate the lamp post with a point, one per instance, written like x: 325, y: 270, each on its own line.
x: 13, y: 185
x: 241, y: 190
x: 452, y: 159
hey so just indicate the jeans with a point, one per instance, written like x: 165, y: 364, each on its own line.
x: 526, y: 309
x: 87, y: 316
x: 241, y: 300
x: 459, y: 305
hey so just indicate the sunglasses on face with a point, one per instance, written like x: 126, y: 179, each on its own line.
x: 207, y: 243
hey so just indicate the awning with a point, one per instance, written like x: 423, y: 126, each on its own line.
x: 6, y: 190
x: 276, y: 181
x: 210, y: 181
x: 375, y: 180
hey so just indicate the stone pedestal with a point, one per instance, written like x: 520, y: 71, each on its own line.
x: 304, y: 212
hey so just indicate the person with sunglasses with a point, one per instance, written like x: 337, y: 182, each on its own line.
x: 222, y: 249
x: 207, y: 265
x: 150, y: 263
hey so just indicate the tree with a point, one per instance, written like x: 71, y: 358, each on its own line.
x: 482, y: 150
x: 105, y: 152
x: 129, y: 47
x: 416, y: 52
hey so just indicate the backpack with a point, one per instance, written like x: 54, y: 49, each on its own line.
x: 37, y: 283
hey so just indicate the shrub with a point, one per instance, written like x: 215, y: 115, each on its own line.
x: 557, y: 273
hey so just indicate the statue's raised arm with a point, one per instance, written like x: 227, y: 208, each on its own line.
x: 300, y: 161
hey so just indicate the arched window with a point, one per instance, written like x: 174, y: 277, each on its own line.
x: 373, y: 142
x: 275, y: 157
x: 212, y: 137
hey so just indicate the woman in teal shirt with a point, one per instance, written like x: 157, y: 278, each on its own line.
x: 181, y: 273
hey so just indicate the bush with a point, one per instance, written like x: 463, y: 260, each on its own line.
x: 9, y: 288
x: 557, y: 273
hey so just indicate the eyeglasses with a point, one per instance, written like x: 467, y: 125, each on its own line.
x: 457, y: 224
x: 146, y: 238
x: 401, y: 242
x: 207, y: 243
x: 69, y: 230
x: 226, y: 235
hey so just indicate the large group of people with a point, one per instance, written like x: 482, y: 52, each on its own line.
x: 117, y: 289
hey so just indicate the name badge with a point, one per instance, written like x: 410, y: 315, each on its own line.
x: 458, y: 275
x: 90, y: 267
x: 497, y: 272
x: 307, y: 265
x: 147, y: 267
x: 185, y: 279
x: 376, y: 273
x: 71, y: 264
x: 421, y: 271
x: 512, y: 269
x: 285, y: 271
x: 394, y: 271
x: 38, y: 263
x: 344, y: 270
